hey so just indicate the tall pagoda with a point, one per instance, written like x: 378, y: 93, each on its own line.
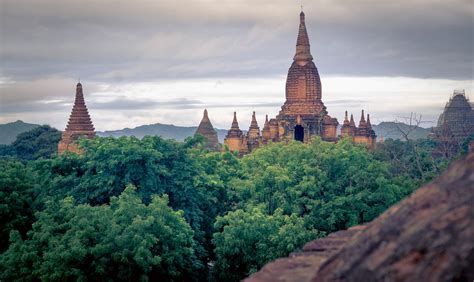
x: 303, y: 115
x: 79, y: 124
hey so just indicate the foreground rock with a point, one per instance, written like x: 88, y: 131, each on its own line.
x: 427, y: 237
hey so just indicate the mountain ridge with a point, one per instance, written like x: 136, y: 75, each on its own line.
x: 9, y: 131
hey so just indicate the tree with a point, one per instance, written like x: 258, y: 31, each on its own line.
x: 126, y: 240
x: 333, y: 186
x: 154, y: 166
x: 247, y: 239
x: 40, y: 142
x: 17, y: 183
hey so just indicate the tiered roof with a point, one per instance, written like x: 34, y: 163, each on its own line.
x: 79, y: 120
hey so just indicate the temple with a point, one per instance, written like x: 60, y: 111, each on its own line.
x: 79, y: 124
x: 456, y: 123
x: 363, y: 134
x: 303, y: 115
x: 206, y: 130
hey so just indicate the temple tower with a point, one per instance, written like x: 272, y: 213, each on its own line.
x: 80, y: 124
x: 346, y: 127
x: 253, y: 135
x: 364, y: 134
x: 206, y: 130
x: 266, y: 130
x: 303, y: 114
x: 235, y: 139
x: 457, y: 119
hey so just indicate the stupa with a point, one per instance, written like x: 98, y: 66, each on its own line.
x: 80, y: 124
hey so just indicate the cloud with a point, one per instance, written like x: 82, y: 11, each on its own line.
x: 118, y: 41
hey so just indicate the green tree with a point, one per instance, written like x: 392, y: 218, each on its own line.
x: 126, y: 240
x: 154, y: 166
x: 333, y: 186
x: 40, y: 142
x: 246, y: 240
x: 17, y: 182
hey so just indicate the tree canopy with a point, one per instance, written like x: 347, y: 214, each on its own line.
x: 151, y: 208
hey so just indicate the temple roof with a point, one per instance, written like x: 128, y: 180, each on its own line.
x: 234, y: 131
x: 79, y: 119
x: 235, y: 124
x: 205, y: 127
x: 362, y: 122
x: 346, y: 120
x: 352, y: 122
x: 254, y: 123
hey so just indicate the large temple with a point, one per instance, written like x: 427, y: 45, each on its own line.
x: 80, y: 124
x: 303, y: 115
x: 456, y: 123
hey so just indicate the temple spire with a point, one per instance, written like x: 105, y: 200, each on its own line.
x: 79, y: 124
x: 352, y: 122
x: 368, y: 121
x: 254, y: 123
x: 303, y: 53
x: 206, y: 129
x: 235, y: 124
x: 346, y: 119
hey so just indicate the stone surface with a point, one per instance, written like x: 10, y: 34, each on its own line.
x: 79, y: 124
x: 426, y: 237
x: 302, y: 266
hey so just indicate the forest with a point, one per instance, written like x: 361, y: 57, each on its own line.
x: 156, y: 209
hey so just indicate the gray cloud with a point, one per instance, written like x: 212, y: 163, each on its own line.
x: 148, y: 40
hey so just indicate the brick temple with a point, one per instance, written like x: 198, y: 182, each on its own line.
x: 363, y: 134
x: 456, y: 123
x: 303, y: 115
x: 206, y: 130
x: 80, y: 124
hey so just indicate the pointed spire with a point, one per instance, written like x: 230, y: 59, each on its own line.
x: 205, y: 126
x: 352, y: 123
x: 79, y: 124
x: 266, y: 120
x: 303, y: 53
x: 346, y: 119
x: 206, y: 129
x: 368, y: 120
x: 235, y: 124
x: 79, y: 119
x: 254, y: 123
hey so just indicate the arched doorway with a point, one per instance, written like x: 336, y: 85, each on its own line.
x: 299, y: 133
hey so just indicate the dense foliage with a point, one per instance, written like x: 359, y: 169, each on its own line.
x: 39, y: 142
x: 189, y: 214
x: 125, y: 240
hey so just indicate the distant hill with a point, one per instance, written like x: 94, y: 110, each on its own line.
x: 9, y: 131
x: 391, y: 130
x: 167, y: 131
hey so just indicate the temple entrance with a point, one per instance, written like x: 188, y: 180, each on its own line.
x: 299, y: 133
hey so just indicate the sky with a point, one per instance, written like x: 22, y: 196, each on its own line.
x: 165, y: 61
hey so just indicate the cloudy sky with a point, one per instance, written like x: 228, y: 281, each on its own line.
x: 143, y: 62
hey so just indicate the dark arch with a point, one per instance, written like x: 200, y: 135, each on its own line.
x: 299, y: 133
